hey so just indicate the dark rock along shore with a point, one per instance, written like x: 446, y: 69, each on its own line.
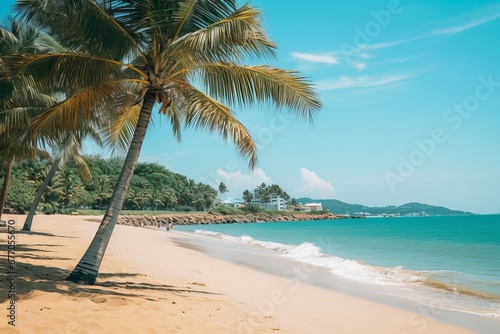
x: 194, y: 219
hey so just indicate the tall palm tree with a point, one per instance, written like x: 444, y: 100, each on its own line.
x: 104, y: 184
x: 170, y: 196
x: 69, y: 150
x: 222, y: 189
x: 21, y: 39
x: 163, y: 50
x: 247, y: 196
x: 26, y: 102
x: 35, y: 171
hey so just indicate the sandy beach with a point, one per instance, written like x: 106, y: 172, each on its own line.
x: 154, y: 282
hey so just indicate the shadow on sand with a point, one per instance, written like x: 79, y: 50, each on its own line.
x: 30, y: 276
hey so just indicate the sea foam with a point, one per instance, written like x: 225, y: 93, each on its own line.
x: 408, y: 281
x: 311, y: 254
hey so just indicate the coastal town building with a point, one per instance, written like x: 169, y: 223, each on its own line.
x: 233, y: 202
x: 308, y: 207
x: 314, y: 206
x: 273, y: 202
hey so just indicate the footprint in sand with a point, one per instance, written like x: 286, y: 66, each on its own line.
x: 98, y: 300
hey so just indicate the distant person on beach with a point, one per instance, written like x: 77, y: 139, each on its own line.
x: 156, y: 222
x: 169, y: 226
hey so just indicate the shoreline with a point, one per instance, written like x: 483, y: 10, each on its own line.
x: 272, y: 263
x: 396, y: 280
x: 149, y: 282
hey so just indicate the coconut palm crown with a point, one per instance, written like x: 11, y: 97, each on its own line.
x: 186, y: 55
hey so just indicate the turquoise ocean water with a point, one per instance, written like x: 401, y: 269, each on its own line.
x: 455, y: 259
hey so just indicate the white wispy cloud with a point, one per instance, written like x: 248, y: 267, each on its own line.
x: 357, y: 82
x: 356, y: 55
x: 316, y: 58
x: 494, y: 13
x: 314, y: 186
x: 453, y: 26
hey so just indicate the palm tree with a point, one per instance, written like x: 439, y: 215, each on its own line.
x: 264, y: 195
x: 70, y: 149
x: 69, y: 186
x: 21, y: 39
x: 15, y: 146
x: 170, y: 196
x: 104, y: 183
x: 35, y: 171
x: 247, y: 196
x: 209, y: 194
x: 161, y: 50
x: 21, y: 107
x: 222, y: 189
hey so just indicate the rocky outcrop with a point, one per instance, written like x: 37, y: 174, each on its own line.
x: 195, y: 219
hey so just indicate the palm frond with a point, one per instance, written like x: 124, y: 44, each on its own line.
x: 183, y: 13
x: 203, y: 14
x: 71, y: 149
x: 7, y: 41
x: 83, y: 168
x: 118, y: 128
x: 202, y: 112
x: 234, y: 38
x: 97, y: 31
x: 18, y: 38
x: 234, y: 84
x: 68, y: 70
x: 174, y: 117
x: 89, y: 103
x: 22, y: 106
x: 15, y: 145
x: 46, y: 44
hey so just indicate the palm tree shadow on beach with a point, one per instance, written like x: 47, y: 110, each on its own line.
x: 45, y: 234
x: 30, y: 277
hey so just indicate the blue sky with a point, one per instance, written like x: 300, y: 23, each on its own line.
x: 411, y: 94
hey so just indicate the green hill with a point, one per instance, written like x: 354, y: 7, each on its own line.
x: 339, y: 207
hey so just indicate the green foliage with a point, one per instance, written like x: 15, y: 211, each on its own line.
x: 22, y: 195
x: 247, y: 196
x: 252, y: 208
x: 153, y: 188
x: 184, y: 208
x: 226, y: 210
x: 322, y: 212
x: 223, y: 188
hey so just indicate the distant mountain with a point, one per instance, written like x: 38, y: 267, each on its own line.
x: 339, y: 207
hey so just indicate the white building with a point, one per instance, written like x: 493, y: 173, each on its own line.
x: 308, y: 207
x: 314, y: 206
x: 233, y: 202
x: 275, y: 202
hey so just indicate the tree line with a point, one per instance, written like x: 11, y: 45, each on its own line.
x: 153, y: 187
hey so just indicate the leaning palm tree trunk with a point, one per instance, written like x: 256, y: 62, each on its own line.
x: 6, y: 179
x: 29, y: 219
x: 87, y: 269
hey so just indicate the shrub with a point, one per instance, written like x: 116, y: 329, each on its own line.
x: 184, y: 208
x: 252, y: 208
x: 225, y: 210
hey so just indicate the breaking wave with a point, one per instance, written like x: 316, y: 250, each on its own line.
x: 445, y: 281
